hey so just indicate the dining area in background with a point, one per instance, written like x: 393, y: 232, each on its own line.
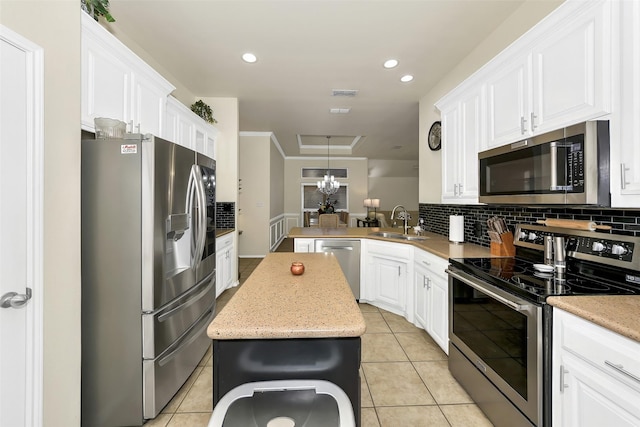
x: 370, y: 221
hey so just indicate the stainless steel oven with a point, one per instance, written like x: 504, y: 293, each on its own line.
x: 566, y: 166
x: 496, y: 348
x: 500, y: 324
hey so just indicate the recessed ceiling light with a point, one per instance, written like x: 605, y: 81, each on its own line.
x: 249, y: 57
x: 406, y: 79
x: 390, y: 63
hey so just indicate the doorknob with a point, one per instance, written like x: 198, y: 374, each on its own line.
x: 15, y: 300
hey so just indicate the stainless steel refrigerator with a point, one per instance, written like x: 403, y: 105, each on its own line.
x: 148, y: 274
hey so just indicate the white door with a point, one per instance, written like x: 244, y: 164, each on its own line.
x: 21, y: 150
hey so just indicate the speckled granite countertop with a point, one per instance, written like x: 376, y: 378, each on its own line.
x: 615, y: 312
x: 273, y: 303
x: 222, y: 231
x: 437, y: 244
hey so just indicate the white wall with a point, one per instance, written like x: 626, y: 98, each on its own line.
x: 55, y: 26
x: 254, y: 199
x: 225, y: 111
x: 525, y: 17
x: 276, y: 178
x: 394, y: 182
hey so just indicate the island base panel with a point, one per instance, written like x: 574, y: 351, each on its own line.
x: 337, y: 360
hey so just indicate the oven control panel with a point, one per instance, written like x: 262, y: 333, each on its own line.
x: 598, y: 246
x: 611, y: 249
x: 533, y: 237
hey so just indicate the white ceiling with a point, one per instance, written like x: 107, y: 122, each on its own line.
x: 308, y: 48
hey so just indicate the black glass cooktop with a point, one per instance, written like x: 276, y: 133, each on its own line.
x: 520, y: 277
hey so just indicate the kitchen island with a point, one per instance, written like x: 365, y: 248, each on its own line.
x: 280, y: 326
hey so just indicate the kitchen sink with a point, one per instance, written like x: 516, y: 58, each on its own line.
x: 413, y: 238
x: 390, y: 235
x: 387, y: 234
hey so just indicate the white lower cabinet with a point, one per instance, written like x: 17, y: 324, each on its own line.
x: 387, y: 268
x: 226, y: 276
x: 596, y: 375
x: 303, y: 245
x: 431, y: 296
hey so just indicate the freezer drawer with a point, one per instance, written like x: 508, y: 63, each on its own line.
x: 161, y: 328
x: 162, y: 377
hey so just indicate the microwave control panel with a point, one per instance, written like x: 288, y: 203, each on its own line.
x: 575, y: 167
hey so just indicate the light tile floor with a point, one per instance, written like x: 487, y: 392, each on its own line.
x: 405, y: 379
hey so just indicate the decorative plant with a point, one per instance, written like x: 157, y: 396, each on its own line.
x: 204, y: 111
x: 97, y: 8
x: 328, y: 206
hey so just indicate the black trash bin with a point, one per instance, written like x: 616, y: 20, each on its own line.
x: 284, y: 403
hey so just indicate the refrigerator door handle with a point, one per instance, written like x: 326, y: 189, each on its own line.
x: 194, y: 200
x: 193, y: 334
x: 192, y: 299
x: 202, y: 214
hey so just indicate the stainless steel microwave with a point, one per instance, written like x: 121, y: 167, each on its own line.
x: 568, y: 166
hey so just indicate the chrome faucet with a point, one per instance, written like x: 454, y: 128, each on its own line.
x: 405, y: 217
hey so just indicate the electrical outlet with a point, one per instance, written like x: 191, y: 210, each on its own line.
x: 477, y: 229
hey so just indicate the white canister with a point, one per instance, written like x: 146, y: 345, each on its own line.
x: 456, y: 228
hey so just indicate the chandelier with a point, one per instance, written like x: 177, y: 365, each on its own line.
x: 328, y: 185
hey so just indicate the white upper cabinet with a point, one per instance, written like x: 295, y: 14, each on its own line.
x: 462, y: 133
x: 572, y: 70
x: 625, y: 127
x: 117, y: 84
x: 508, y: 101
x: 556, y: 75
x: 185, y: 128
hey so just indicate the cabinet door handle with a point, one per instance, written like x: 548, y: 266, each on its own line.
x: 522, y: 123
x: 459, y: 189
x: 623, y: 175
x: 621, y: 369
x: 562, y: 384
x: 533, y: 121
x: 426, y: 262
x: 399, y: 272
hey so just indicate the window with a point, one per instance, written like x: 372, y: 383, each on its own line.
x: 320, y: 172
x: 312, y: 198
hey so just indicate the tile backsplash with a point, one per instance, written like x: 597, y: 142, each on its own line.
x: 436, y: 218
x: 225, y: 215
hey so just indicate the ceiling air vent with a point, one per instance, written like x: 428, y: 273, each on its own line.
x: 344, y: 92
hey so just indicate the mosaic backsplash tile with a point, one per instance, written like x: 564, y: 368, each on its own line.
x: 436, y: 218
x: 225, y: 215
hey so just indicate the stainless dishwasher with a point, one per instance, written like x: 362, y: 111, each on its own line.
x: 348, y: 254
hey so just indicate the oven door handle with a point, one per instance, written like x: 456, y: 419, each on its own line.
x: 499, y: 298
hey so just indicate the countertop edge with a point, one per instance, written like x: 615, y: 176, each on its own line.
x: 618, y: 313
x: 436, y: 244
x: 224, y: 231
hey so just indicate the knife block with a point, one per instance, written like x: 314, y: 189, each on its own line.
x: 505, y: 248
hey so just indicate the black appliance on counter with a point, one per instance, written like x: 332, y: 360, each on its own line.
x: 500, y: 325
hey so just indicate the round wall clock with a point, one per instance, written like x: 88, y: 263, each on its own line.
x: 434, y: 136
